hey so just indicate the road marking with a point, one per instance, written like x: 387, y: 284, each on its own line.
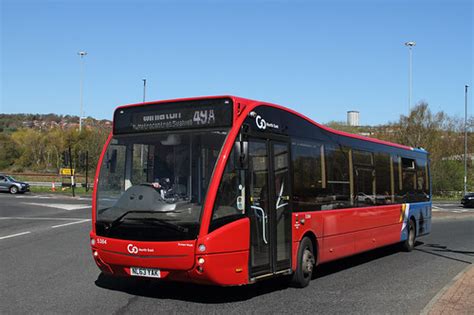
x: 442, y: 205
x: 71, y: 223
x: 461, y: 211
x: 63, y: 206
x: 30, y: 218
x: 57, y: 197
x: 13, y: 235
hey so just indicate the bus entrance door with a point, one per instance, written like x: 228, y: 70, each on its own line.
x: 269, y: 212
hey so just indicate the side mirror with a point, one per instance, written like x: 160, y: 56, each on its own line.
x: 241, y: 149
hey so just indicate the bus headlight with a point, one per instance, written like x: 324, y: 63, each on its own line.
x: 202, y: 248
x: 201, y: 260
x: 92, y: 241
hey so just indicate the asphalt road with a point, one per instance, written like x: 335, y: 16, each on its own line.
x: 50, y: 270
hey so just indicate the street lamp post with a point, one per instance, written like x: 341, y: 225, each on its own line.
x: 81, y: 113
x: 410, y: 45
x: 465, y: 138
x: 142, y: 147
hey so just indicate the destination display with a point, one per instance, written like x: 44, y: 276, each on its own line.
x: 172, y: 116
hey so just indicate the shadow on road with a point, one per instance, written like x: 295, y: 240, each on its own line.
x: 349, y: 262
x: 441, y: 248
x: 437, y: 249
x: 188, y: 291
x: 216, y: 295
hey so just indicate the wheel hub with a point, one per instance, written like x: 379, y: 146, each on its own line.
x: 411, y: 235
x: 308, y: 262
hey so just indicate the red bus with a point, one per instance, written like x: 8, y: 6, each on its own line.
x: 225, y: 190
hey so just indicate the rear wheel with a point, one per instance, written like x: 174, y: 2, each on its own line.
x: 409, y: 243
x: 13, y: 190
x: 305, y: 264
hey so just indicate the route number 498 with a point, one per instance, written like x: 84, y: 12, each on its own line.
x: 204, y: 117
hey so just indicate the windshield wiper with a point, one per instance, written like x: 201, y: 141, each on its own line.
x: 119, y: 220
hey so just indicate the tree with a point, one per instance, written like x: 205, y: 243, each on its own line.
x: 421, y: 128
x: 8, y: 152
x: 443, y: 173
x: 31, y: 148
x: 442, y: 136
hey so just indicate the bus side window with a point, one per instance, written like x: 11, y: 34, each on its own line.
x: 338, y: 180
x: 422, y: 183
x: 308, y: 175
x: 408, y: 180
x: 364, y: 179
x: 383, y: 179
x: 396, y: 176
x: 228, y: 205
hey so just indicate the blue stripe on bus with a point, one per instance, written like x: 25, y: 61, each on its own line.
x: 421, y: 212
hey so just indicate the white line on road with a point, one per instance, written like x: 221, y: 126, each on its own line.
x: 71, y: 223
x: 50, y: 219
x: 63, y: 206
x: 56, y: 197
x: 13, y: 235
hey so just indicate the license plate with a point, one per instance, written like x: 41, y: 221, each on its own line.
x: 145, y: 272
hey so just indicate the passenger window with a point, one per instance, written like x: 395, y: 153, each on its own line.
x: 338, y: 180
x: 364, y: 183
x: 362, y: 158
x: 396, y: 178
x: 409, y: 183
x: 422, y: 182
x: 383, y: 179
x: 308, y: 184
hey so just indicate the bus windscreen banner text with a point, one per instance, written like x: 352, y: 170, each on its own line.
x: 211, y: 113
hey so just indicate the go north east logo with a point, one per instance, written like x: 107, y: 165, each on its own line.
x: 132, y: 249
x: 262, y: 123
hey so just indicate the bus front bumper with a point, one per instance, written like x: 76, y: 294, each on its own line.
x: 173, y: 261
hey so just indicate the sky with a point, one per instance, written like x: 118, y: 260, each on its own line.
x: 321, y: 58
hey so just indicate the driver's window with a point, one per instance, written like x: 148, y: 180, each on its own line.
x: 113, y: 170
x: 230, y: 199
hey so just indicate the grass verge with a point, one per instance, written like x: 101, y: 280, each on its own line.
x: 79, y: 191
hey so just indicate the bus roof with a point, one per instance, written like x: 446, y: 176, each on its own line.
x: 250, y: 104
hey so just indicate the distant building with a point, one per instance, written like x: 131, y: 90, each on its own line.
x: 353, y: 118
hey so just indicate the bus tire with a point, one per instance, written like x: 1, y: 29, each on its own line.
x: 305, y: 264
x: 409, y: 244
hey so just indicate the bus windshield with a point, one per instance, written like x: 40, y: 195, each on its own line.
x: 152, y: 186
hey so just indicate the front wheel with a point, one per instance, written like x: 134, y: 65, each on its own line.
x: 409, y: 243
x: 13, y: 190
x: 305, y: 264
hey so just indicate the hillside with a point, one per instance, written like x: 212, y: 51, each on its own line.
x: 12, y: 122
